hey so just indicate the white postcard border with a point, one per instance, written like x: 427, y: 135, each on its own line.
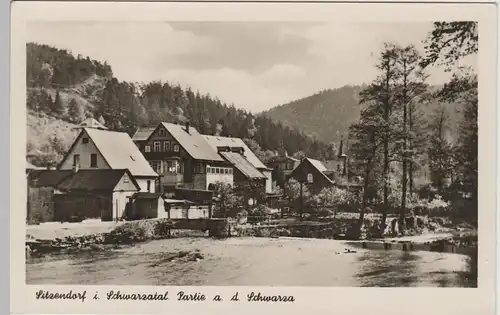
x: 318, y: 300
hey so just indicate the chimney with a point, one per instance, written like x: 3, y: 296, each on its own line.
x: 187, y: 126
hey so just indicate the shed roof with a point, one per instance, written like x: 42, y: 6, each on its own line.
x: 243, y: 165
x: 193, y: 142
x: 143, y: 133
x: 146, y: 195
x: 91, y: 123
x: 48, y: 178
x: 120, y: 152
x: 94, y: 180
x: 217, y: 141
x: 30, y: 166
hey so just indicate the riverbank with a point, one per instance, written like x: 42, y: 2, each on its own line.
x: 249, y: 261
x: 85, y: 236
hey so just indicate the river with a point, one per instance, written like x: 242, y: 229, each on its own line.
x: 251, y: 262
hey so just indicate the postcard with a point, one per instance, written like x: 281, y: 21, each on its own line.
x: 213, y: 158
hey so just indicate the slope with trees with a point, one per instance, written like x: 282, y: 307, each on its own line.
x: 69, y: 89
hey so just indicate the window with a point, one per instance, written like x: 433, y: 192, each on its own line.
x: 156, y: 146
x: 290, y: 166
x: 209, y: 170
x: 166, y: 146
x: 126, y: 180
x: 149, y: 185
x: 156, y: 165
x: 147, y: 148
x: 230, y: 171
x: 226, y: 171
x: 161, y: 132
x: 85, y: 140
x: 76, y: 160
x: 176, y: 147
x: 93, y: 160
x: 310, y: 178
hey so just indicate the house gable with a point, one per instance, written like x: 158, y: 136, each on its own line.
x: 165, y: 141
x: 85, y: 147
x: 127, y: 183
x: 307, y: 171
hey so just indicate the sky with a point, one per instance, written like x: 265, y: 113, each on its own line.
x: 253, y: 65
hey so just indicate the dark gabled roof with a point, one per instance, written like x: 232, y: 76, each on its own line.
x: 146, y: 195
x: 318, y: 166
x: 94, y: 180
x: 193, y: 142
x: 48, y: 178
x: 243, y: 165
x: 143, y: 133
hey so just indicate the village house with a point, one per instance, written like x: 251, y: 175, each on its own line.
x: 282, y: 166
x: 183, y: 159
x: 75, y: 195
x: 141, y: 136
x: 102, y: 149
x: 179, y: 204
x: 312, y: 173
x: 317, y: 176
x: 247, y: 166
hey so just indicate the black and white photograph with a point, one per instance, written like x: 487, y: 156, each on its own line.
x: 234, y: 154
x: 221, y: 153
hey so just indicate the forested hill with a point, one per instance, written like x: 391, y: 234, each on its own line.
x: 325, y: 115
x: 64, y: 89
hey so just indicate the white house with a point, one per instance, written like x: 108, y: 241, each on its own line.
x: 103, y: 149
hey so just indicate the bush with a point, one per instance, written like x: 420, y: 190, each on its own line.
x: 34, y: 219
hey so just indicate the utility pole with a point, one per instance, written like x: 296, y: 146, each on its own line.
x: 301, y: 200
x: 302, y: 179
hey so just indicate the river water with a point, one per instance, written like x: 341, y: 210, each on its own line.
x: 252, y: 262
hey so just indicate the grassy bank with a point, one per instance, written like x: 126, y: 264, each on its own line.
x: 128, y: 233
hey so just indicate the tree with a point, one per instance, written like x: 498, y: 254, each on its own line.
x: 297, y: 194
x: 75, y: 112
x: 366, y: 139
x: 299, y: 155
x: 410, y: 87
x: 381, y: 96
x: 329, y: 197
x: 226, y: 199
x: 450, y: 41
x: 57, y: 107
x: 440, y: 150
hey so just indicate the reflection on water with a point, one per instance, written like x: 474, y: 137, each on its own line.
x: 251, y: 261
